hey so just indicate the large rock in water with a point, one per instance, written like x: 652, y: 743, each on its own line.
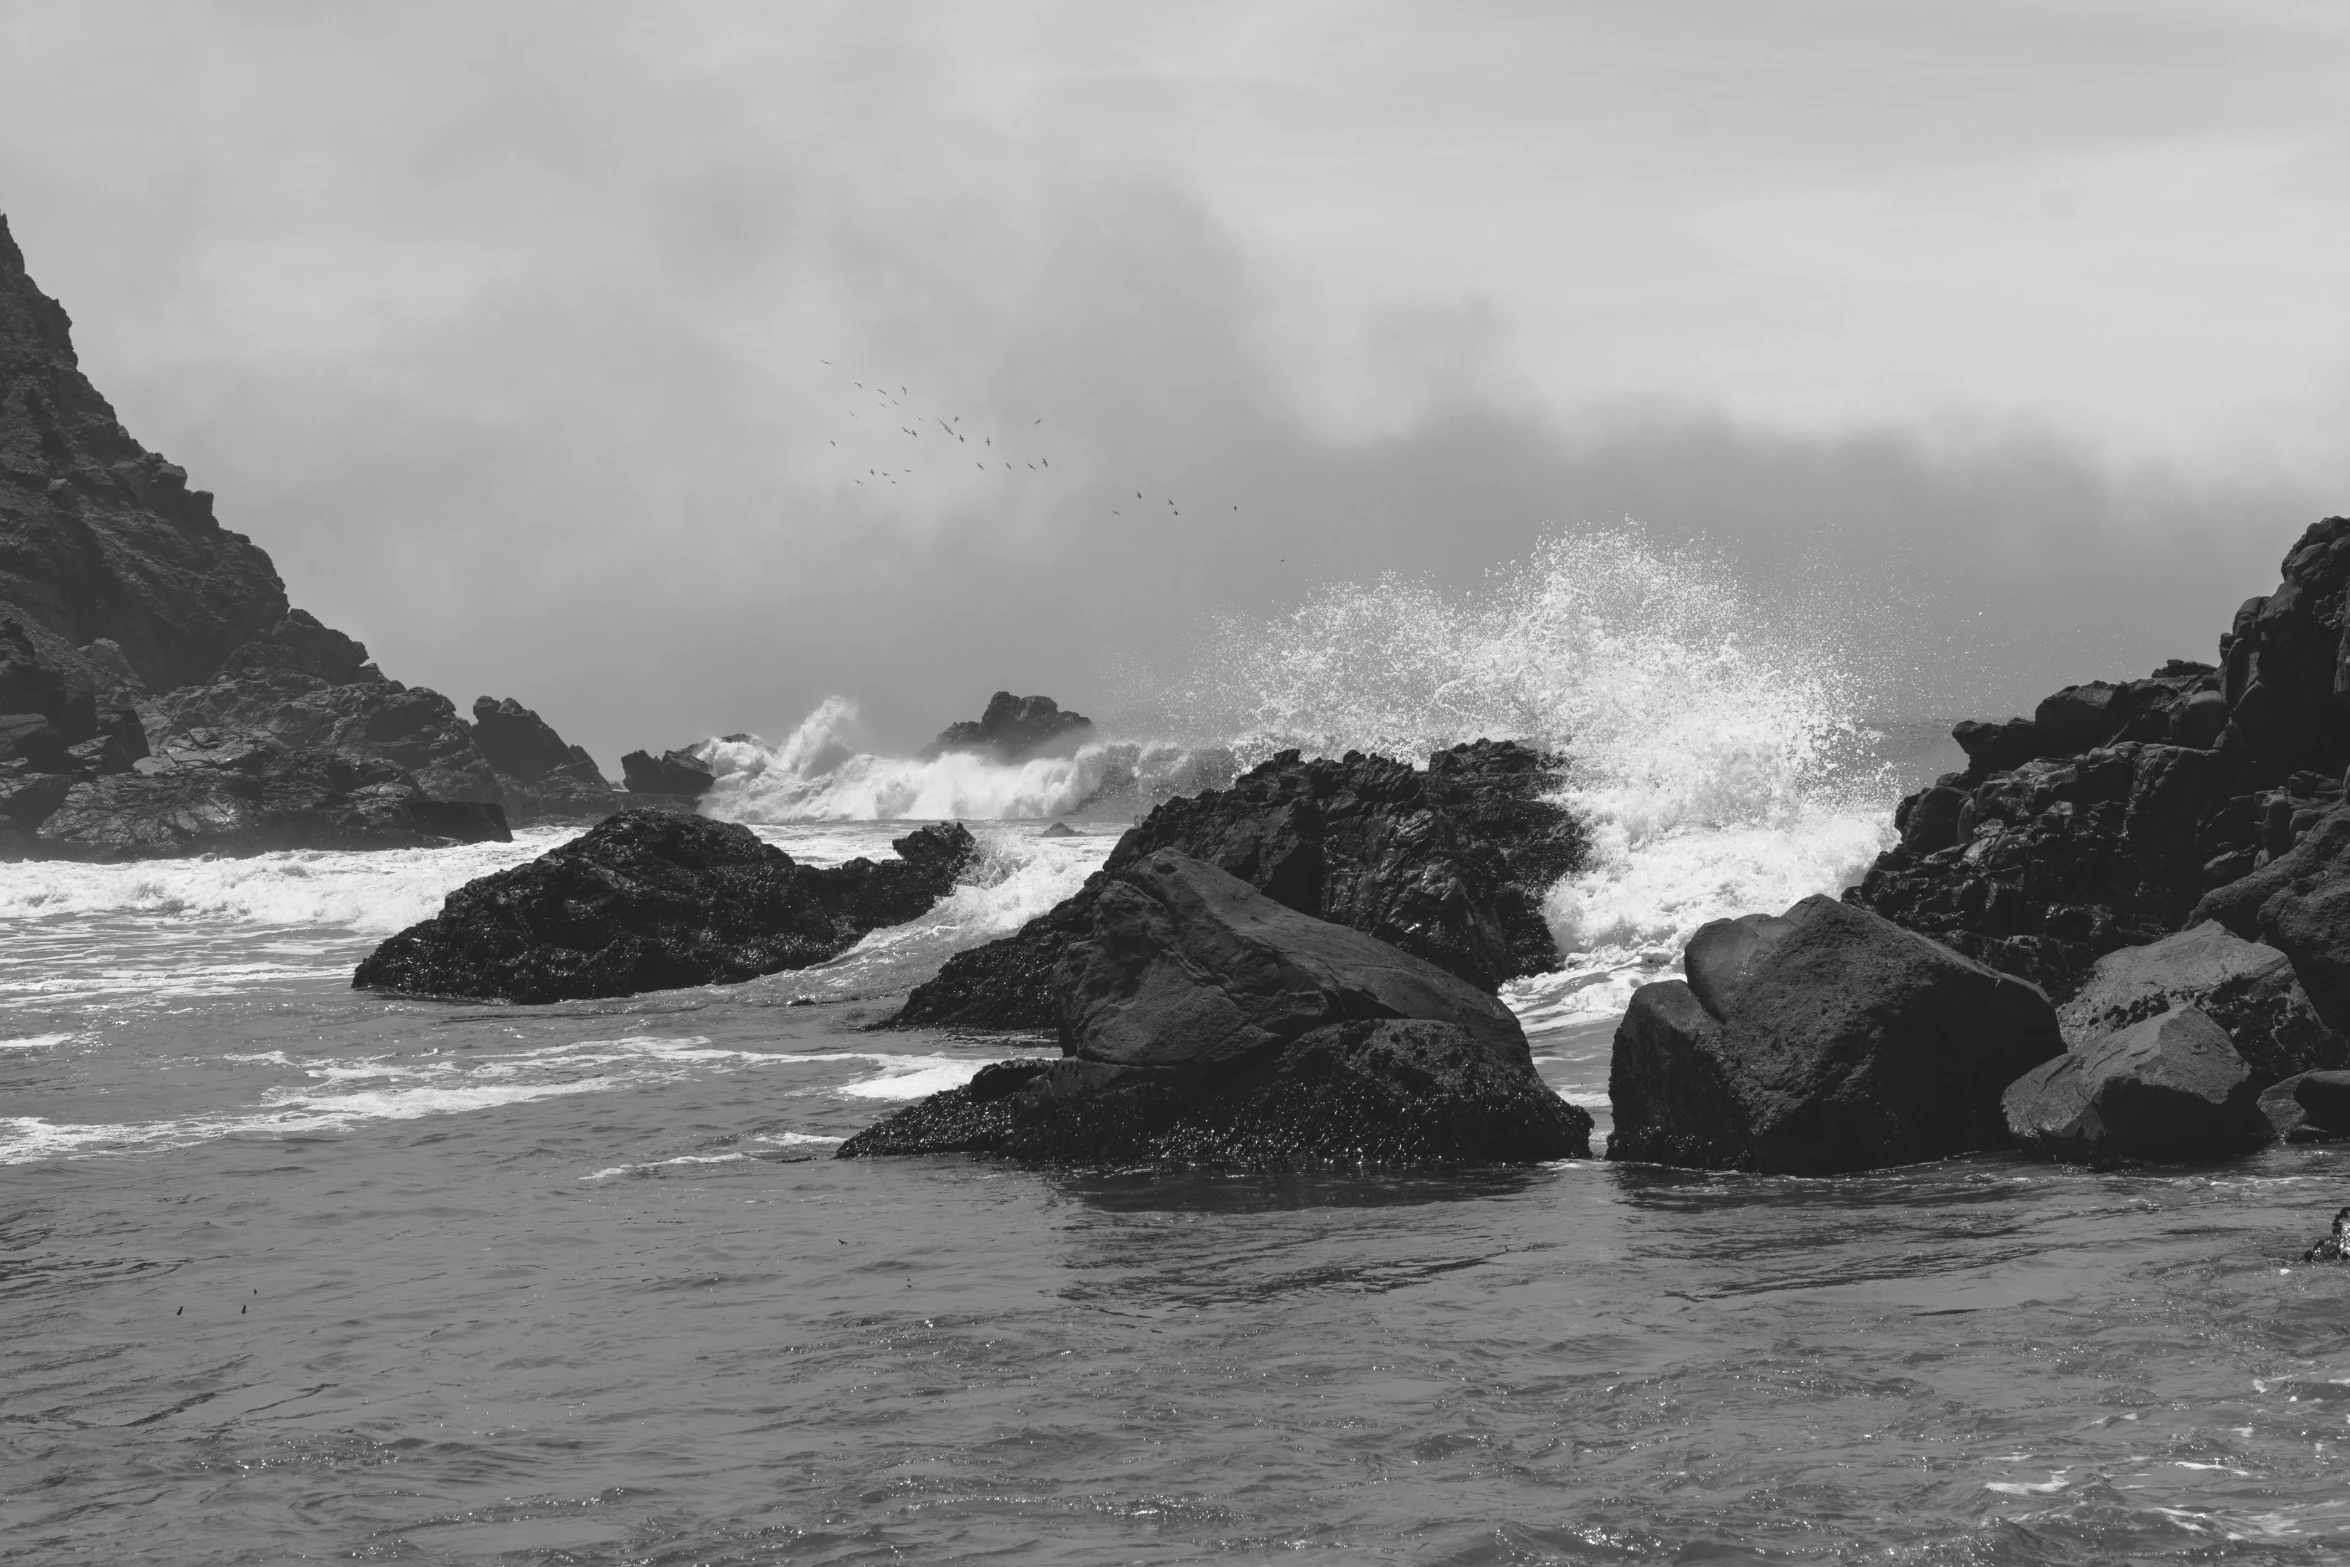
x: 1206, y: 1024
x: 2247, y: 988
x: 678, y: 772
x: 1824, y: 1040
x: 654, y: 900
x: 1450, y: 864
x: 2313, y: 1107
x: 1013, y: 729
x: 2165, y: 1090
x: 2097, y: 823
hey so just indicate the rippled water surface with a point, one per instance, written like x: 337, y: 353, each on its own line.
x: 290, y: 1273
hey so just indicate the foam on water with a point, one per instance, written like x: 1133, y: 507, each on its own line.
x: 374, y: 893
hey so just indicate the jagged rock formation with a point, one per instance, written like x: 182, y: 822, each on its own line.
x: 548, y: 778
x: 1450, y: 865
x: 1013, y: 729
x: 652, y: 899
x: 1205, y: 1024
x: 2099, y: 822
x: 121, y: 593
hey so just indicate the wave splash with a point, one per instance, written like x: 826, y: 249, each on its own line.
x: 1710, y: 738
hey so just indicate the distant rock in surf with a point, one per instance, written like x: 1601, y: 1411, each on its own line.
x: 121, y: 591
x: 2334, y: 1247
x: 1821, y: 1041
x: 1450, y: 864
x: 207, y: 793
x: 1058, y: 830
x: 654, y: 899
x: 548, y: 778
x: 2099, y: 822
x: 1014, y: 729
x: 678, y: 772
x: 1205, y: 1024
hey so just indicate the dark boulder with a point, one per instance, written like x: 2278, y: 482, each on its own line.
x: 1450, y: 864
x: 1824, y: 1040
x: 672, y: 772
x: 2165, y: 1090
x: 1203, y: 1023
x: 1013, y: 729
x: 525, y: 748
x: 1996, y: 748
x: 2247, y: 988
x: 2313, y: 1107
x: 2299, y: 903
x: 31, y: 739
x: 653, y: 899
x: 240, y: 797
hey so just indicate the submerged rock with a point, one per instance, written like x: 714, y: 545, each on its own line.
x: 1824, y: 1040
x: 1203, y: 1023
x: 653, y: 899
x: 2334, y: 1247
x: 1014, y: 729
x: 2165, y: 1090
x: 1450, y: 864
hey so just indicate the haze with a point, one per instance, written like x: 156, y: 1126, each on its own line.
x: 2016, y: 329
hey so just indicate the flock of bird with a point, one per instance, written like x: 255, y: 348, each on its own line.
x: 948, y: 430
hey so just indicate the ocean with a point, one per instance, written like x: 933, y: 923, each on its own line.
x: 290, y: 1273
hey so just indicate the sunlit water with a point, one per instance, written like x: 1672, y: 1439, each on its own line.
x: 288, y: 1272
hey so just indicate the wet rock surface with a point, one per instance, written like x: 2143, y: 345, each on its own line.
x: 678, y: 772
x: 2312, y: 1107
x: 1823, y: 1040
x: 1449, y: 864
x: 2167, y: 1090
x: 2247, y: 988
x: 653, y: 899
x: 2099, y: 822
x: 1204, y: 1023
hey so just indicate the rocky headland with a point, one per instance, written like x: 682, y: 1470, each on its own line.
x: 160, y: 696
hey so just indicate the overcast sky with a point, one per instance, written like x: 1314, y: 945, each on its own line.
x: 504, y: 326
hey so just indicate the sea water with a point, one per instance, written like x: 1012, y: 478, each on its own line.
x: 292, y: 1272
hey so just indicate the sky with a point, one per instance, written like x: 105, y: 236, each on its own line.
x: 554, y: 349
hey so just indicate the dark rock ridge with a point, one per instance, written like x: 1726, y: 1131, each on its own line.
x: 653, y: 899
x: 1204, y: 1023
x: 2099, y: 822
x: 1013, y: 729
x: 1450, y: 865
x: 679, y: 772
x: 130, y: 617
x: 547, y: 778
x: 2167, y: 1089
x: 1824, y: 1040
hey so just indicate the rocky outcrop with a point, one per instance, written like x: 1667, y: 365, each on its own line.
x: 541, y: 776
x: 2334, y: 1247
x: 2099, y: 822
x: 1450, y: 864
x: 680, y: 772
x: 1204, y: 1023
x: 2166, y: 1090
x: 654, y: 899
x: 214, y: 794
x: 1824, y: 1040
x: 2247, y: 988
x: 1013, y: 729
x: 121, y: 594
x: 2313, y: 1107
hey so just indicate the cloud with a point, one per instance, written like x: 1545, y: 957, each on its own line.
x: 505, y: 333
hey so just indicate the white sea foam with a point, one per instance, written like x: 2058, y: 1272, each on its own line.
x: 34, y: 1041
x: 374, y: 893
